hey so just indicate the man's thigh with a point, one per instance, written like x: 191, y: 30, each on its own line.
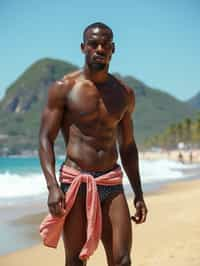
x: 74, y: 230
x: 116, y: 231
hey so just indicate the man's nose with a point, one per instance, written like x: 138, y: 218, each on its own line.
x: 100, y: 48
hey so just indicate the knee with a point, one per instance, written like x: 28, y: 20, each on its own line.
x: 122, y: 260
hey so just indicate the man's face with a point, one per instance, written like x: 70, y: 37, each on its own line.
x: 98, y: 48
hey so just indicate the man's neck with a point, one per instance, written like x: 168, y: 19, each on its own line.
x: 96, y: 76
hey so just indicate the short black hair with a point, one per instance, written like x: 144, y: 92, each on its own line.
x: 98, y: 25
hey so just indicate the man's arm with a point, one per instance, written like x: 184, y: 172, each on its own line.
x: 129, y: 157
x: 50, y: 124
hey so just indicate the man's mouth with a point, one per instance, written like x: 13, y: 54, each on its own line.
x: 99, y: 58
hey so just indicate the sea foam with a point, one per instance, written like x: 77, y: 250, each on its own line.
x: 26, y: 184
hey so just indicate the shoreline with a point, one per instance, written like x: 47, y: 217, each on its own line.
x: 190, y: 156
x: 163, y: 240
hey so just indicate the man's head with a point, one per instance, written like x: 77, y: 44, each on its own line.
x: 97, y: 45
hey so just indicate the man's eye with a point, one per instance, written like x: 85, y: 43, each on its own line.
x: 93, y: 44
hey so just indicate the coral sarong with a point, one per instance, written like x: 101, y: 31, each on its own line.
x: 51, y: 227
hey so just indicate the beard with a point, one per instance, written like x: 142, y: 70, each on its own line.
x: 94, y: 65
x: 97, y: 66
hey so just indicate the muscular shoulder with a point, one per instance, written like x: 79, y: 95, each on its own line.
x: 76, y: 80
x: 59, y: 90
x: 64, y: 85
x: 70, y: 78
x: 130, y: 94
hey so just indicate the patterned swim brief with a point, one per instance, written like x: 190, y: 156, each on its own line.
x: 104, y: 191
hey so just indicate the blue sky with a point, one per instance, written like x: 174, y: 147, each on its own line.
x: 157, y: 42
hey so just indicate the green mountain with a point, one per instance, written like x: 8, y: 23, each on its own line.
x: 195, y: 101
x: 20, y: 109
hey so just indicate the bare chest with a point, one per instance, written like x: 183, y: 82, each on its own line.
x: 89, y: 105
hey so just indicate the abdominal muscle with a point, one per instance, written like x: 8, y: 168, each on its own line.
x: 91, y: 153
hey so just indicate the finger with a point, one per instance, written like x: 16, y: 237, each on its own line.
x: 58, y: 210
x: 133, y: 219
x: 63, y: 203
x: 62, y: 206
x: 136, y: 219
x: 143, y: 215
x: 52, y: 210
x: 138, y: 216
x: 143, y: 219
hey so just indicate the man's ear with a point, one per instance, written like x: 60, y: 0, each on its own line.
x: 113, y: 47
x: 82, y: 47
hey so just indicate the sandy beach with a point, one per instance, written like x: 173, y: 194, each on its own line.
x: 188, y: 156
x: 169, y: 237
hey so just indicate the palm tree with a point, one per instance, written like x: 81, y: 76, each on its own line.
x: 172, y: 135
x: 179, y: 130
x: 197, y: 131
x: 187, y: 127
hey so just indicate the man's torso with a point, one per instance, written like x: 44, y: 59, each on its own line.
x: 93, y: 112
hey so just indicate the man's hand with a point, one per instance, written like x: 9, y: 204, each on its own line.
x: 56, y: 201
x: 141, y: 212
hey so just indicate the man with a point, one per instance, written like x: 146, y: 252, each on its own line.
x: 93, y: 110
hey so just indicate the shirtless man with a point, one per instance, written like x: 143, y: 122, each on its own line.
x: 93, y: 110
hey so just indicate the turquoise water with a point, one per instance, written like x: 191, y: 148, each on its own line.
x: 21, y: 165
x: 21, y: 177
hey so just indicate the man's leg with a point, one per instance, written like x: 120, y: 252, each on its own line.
x: 117, y: 233
x: 74, y: 233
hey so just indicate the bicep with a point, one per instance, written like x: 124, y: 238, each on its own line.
x: 50, y: 122
x: 52, y: 115
x: 125, y: 132
x: 125, y: 127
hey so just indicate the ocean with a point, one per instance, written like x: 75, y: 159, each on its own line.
x: 23, y: 192
x: 21, y: 178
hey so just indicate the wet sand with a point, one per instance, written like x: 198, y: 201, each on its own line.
x: 169, y: 237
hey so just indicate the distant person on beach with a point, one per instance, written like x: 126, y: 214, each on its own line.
x: 180, y: 157
x: 191, y: 157
x: 93, y: 110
